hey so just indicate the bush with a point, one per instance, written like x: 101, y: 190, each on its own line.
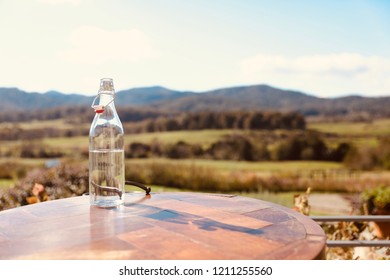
x: 369, y: 158
x: 13, y: 170
x: 68, y: 179
x: 377, y: 199
x: 233, y: 147
x: 339, y: 154
x: 138, y: 150
x: 302, y: 146
x: 183, y: 150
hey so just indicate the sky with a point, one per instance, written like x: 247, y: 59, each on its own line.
x: 326, y: 48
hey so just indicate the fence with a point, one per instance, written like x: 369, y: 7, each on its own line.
x: 354, y: 243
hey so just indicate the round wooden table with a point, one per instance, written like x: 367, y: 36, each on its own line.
x: 160, y: 226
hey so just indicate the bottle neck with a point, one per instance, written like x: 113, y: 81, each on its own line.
x: 106, y: 99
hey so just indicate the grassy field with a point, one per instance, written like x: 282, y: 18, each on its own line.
x: 202, y: 137
x: 264, y: 167
x: 60, y: 123
x: 371, y: 129
x: 41, y: 124
x: 360, y: 133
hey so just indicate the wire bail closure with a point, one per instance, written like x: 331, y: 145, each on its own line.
x: 99, y: 109
x: 118, y: 191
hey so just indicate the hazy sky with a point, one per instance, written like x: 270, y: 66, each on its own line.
x: 325, y: 48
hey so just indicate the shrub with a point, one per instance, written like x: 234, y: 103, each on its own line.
x: 183, y: 150
x: 68, y: 179
x: 377, y: 199
x: 302, y: 146
x: 138, y: 150
x: 364, y: 158
x: 13, y: 170
x: 369, y: 158
x: 233, y: 147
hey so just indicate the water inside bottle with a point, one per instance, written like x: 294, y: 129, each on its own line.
x: 107, y: 175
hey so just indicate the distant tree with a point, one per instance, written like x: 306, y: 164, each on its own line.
x: 233, y: 147
x: 307, y: 146
x: 339, y: 153
x: 172, y: 125
x: 138, y: 150
x: 182, y: 150
x: 363, y: 158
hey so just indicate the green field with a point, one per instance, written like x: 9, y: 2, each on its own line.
x: 202, y: 137
x: 360, y: 133
x: 379, y: 127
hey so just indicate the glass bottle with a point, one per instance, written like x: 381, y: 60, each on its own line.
x: 106, y: 150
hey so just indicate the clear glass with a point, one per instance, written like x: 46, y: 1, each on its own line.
x: 106, y: 152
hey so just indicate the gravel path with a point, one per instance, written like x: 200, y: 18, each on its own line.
x: 331, y: 204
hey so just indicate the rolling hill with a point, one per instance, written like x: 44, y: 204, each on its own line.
x: 255, y: 97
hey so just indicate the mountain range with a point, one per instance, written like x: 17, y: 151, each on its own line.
x: 255, y: 97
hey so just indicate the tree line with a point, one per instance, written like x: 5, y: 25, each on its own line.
x: 304, y: 145
x: 223, y: 120
x: 137, y: 121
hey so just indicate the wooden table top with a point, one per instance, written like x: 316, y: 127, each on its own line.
x: 160, y: 226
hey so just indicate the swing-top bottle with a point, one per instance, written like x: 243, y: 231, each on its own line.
x: 106, y: 150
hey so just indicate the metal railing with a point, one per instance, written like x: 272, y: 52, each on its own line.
x: 354, y: 243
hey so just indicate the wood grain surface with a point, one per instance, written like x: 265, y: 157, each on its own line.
x: 159, y: 226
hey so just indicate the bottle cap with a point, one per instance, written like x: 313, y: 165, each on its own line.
x: 106, y: 86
